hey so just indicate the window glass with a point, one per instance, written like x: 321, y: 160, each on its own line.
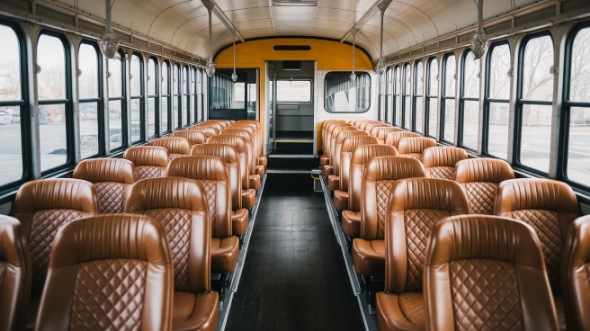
x: 51, y: 81
x: 398, y: 96
x: 498, y: 107
x: 115, y: 76
x: 135, y: 112
x: 290, y: 91
x: 537, y: 83
x: 407, y: 104
x: 115, y: 124
x: 11, y: 150
x: 164, y: 110
x: 418, y: 92
x: 136, y: 90
x: 152, y: 77
x: 52, y: 131
x: 135, y: 76
x: 470, y: 100
x: 450, y: 75
x: 579, y: 125
x: 184, y: 90
x: 116, y: 97
x: 152, y: 80
x: 175, y: 95
x: 339, y: 94
x: 88, y: 82
x: 432, y: 95
x: 88, y: 72
x: 450, y: 83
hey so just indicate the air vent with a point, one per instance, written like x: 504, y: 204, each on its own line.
x: 294, y: 2
x: 292, y: 48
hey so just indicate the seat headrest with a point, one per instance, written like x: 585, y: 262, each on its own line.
x: 393, y: 138
x: 55, y: 193
x: 350, y: 143
x: 393, y: 168
x: 165, y: 192
x: 238, y: 142
x: 382, y: 131
x: 363, y: 153
x: 209, y: 131
x: 194, y: 137
x: 174, y: 145
x: 227, y: 152
x: 483, y: 170
x: 198, y: 167
x: 105, y: 170
x: 543, y: 194
x: 428, y: 193
x: 342, y: 135
x: 443, y: 156
x: 238, y: 132
x: 148, y: 156
x: 415, y: 144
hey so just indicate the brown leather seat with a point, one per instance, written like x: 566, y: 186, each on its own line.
x: 328, y: 169
x: 109, y: 272
x: 351, y: 217
x: 248, y: 194
x: 440, y: 161
x: 210, y: 171
x: 180, y: 205
x: 486, y: 273
x: 176, y: 146
x: 415, y: 207
x: 43, y: 206
x: 15, y: 271
x: 229, y: 154
x: 149, y: 161
x: 327, y: 127
x: 110, y: 178
x: 381, y: 132
x: 258, y: 139
x: 193, y: 137
x: 348, y: 146
x: 371, y: 125
x: 414, y: 146
x: 575, y: 270
x: 334, y: 179
x: 393, y: 138
x: 368, y: 251
x: 253, y: 169
x: 208, y: 131
x: 480, y: 179
x: 550, y: 207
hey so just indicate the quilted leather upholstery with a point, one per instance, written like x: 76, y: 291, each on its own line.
x: 414, y: 146
x: 15, y: 274
x: 393, y: 138
x: 149, y: 161
x: 549, y: 207
x: 381, y: 132
x: 211, y: 173
x: 176, y: 146
x: 416, y: 205
x: 110, y: 177
x: 121, y: 279
x: 440, y: 161
x: 480, y: 179
x: 491, y: 270
x: 43, y: 206
x: 239, y: 144
x: 193, y: 137
x: 575, y: 275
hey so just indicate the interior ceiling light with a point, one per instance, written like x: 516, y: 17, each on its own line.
x: 294, y: 2
x: 210, y: 66
x: 109, y: 44
x: 479, y: 43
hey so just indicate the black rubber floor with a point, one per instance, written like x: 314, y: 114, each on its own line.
x: 294, y: 277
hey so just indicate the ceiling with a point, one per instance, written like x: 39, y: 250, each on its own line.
x: 184, y: 23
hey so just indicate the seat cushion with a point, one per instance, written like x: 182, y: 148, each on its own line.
x: 400, y: 312
x: 351, y: 223
x: 341, y: 200
x: 248, y: 198
x: 333, y: 182
x: 239, y: 221
x: 255, y: 181
x: 195, y: 311
x: 224, y: 254
x: 260, y: 170
x: 263, y: 161
x: 327, y: 170
x: 324, y: 160
x: 368, y: 257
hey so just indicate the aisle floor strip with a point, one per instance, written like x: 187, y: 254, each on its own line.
x: 235, y: 277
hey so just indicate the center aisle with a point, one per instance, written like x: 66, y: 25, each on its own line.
x: 294, y: 277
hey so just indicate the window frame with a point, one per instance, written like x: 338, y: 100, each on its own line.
x: 100, y: 107
x: 123, y: 100
x: 417, y: 98
x: 358, y: 73
x: 406, y: 87
x: 463, y: 98
x: 141, y: 97
x: 428, y: 96
x: 444, y: 97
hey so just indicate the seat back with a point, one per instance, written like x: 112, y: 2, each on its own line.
x: 15, y: 271
x: 109, y: 272
x: 176, y: 146
x: 208, y: 131
x: 260, y: 133
x: 378, y: 179
x: 549, y: 207
x: 333, y: 136
x: 43, y: 206
x: 239, y: 144
x: 194, y: 137
x: 381, y: 132
x: 339, y: 141
x: 249, y: 145
x: 253, y: 130
x: 393, y: 138
x: 149, y: 161
x: 348, y: 146
x: 574, y: 275
x: 211, y: 173
x: 229, y: 155
x: 414, y: 146
x: 440, y: 161
x: 416, y: 204
x: 480, y: 178
x: 370, y: 126
x: 180, y: 206
x: 360, y: 157
x: 110, y: 178
x: 327, y: 134
x: 486, y: 271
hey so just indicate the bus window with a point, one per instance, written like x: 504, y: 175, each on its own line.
x: 535, y: 102
x: 448, y: 97
x: 432, y: 99
x: 407, y: 110
x: 497, y: 101
x: 88, y: 87
x: 389, y: 96
x: 116, y: 76
x: 397, y: 79
x: 11, y: 151
x: 184, y: 97
x: 152, y: 96
x: 338, y: 96
x: 418, y: 92
x: 136, y: 97
x: 53, y: 101
x: 175, y: 97
x: 165, y: 105
x: 470, y: 102
x: 579, y: 109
